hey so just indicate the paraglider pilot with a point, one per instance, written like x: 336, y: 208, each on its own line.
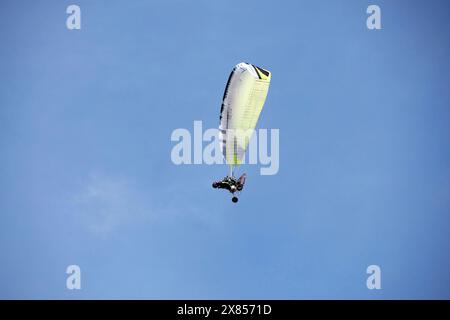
x: 231, y: 184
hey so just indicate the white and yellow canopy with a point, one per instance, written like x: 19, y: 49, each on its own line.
x: 243, y: 100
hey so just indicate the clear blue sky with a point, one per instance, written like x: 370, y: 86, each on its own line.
x: 86, y: 176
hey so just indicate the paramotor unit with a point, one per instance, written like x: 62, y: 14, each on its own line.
x: 232, y: 185
x: 243, y: 100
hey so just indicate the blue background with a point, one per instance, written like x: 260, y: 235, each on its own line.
x: 86, y: 176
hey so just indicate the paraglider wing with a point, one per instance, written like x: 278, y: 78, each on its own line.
x: 243, y: 100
